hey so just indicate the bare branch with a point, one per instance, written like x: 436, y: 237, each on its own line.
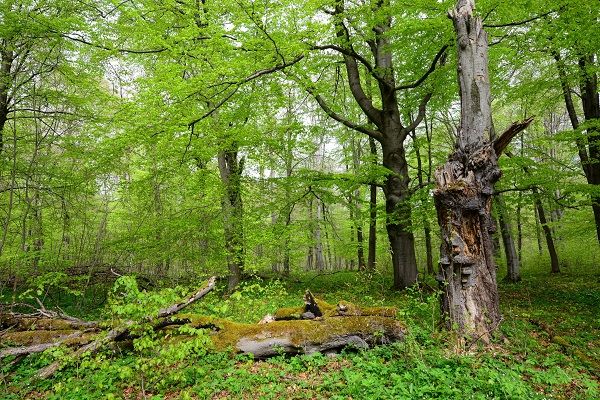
x: 421, y: 114
x: 352, y: 125
x: 504, y: 140
x: 440, y: 56
x: 523, y: 22
x: 251, y: 77
x: 99, y: 46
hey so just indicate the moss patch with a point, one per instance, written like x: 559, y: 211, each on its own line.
x: 300, y: 333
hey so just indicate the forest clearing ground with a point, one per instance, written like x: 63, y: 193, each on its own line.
x: 550, y: 349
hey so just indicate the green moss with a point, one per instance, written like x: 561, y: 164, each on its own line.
x: 299, y: 332
x: 30, y: 338
x: 343, y: 308
x: 23, y: 324
x: 288, y: 313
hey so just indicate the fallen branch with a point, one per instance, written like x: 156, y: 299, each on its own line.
x: 38, y: 348
x: 123, y: 330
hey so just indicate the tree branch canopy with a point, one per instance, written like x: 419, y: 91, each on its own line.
x: 440, y: 56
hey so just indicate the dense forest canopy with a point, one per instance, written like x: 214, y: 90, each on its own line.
x: 181, y: 139
x: 124, y: 125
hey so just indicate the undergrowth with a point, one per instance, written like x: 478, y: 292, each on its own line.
x: 548, y: 346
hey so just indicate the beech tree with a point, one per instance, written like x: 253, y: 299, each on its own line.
x: 368, y: 56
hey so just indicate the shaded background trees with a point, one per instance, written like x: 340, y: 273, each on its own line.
x: 180, y: 139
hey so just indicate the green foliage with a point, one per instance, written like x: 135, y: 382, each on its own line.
x: 127, y: 302
x: 524, y: 361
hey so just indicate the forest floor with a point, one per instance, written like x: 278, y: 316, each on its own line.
x: 548, y: 347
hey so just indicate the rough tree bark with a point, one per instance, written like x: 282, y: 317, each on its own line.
x: 464, y: 189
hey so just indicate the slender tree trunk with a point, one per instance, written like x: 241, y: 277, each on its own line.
x: 554, y: 266
x: 310, y: 258
x: 464, y: 188
x: 590, y: 156
x: 330, y: 264
x: 372, y: 212
x: 538, y: 233
x: 513, y: 266
x: 231, y: 169
x: 426, y: 226
x: 6, y: 62
x: 356, y: 216
x: 519, y: 229
x: 13, y: 178
x: 288, y: 216
x: 319, y: 259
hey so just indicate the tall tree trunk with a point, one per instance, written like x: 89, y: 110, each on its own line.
x: 465, y: 185
x: 398, y: 215
x: 7, y: 58
x: 319, y: 259
x: 591, y: 111
x: 425, y: 220
x: 590, y: 156
x: 372, y: 212
x: 554, y: 266
x: 513, y: 265
x: 355, y: 203
x: 390, y: 131
x: 230, y: 169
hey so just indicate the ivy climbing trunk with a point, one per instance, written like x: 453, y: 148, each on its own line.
x: 463, y: 195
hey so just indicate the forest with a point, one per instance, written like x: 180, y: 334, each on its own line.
x: 319, y: 199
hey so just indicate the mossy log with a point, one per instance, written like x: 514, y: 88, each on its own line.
x: 327, y: 329
x: 23, y: 322
x: 327, y: 310
x: 326, y: 335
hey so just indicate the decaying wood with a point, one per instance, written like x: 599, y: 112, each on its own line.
x: 290, y: 331
x: 38, y: 348
x: 328, y: 329
x: 464, y: 188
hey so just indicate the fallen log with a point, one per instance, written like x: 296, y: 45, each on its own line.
x: 76, y: 337
x: 326, y: 335
x: 320, y: 308
x: 317, y: 326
